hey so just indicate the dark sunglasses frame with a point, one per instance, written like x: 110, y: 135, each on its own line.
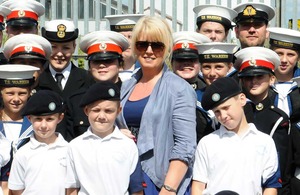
x: 142, y: 46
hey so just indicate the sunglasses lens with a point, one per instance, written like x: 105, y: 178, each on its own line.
x: 157, y: 46
x: 143, y: 46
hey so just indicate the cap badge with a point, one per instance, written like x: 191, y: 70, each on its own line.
x: 102, y: 46
x: 185, y: 45
x: 52, y: 106
x: 252, y: 62
x: 61, y: 31
x: 21, y: 13
x: 28, y: 48
x: 215, y: 97
x: 249, y: 11
x: 111, y: 92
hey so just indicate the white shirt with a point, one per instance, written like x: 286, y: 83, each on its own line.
x: 40, y: 168
x: 12, y: 130
x: 226, y: 161
x: 125, y: 74
x: 101, y: 166
x: 283, y: 89
x: 65, y: 72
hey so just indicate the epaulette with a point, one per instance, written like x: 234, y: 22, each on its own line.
x: 285, y: 122
x: 279, y: 111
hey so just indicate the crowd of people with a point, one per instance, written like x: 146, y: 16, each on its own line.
x: 157, y: 112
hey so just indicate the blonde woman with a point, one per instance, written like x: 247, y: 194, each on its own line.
x: 159, y: 110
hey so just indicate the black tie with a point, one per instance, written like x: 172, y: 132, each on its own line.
x: 58, y: 78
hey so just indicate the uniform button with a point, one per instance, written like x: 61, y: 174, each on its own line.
x: 259, y: 106
x: 81, y: 122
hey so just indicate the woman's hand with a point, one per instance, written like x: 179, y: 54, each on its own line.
x: 128, y: 134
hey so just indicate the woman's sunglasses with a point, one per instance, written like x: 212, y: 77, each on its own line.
x: 142, y: 46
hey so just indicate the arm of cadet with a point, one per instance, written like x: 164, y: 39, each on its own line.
x: 4, y: 186
x: 197, y: 187
x: 15, y: 192
x: 270, y: 191
x: 72, y: 191
x: 175, y: 174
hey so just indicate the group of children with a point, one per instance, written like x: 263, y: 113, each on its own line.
x: 47, y: 164
x: 233, y: 154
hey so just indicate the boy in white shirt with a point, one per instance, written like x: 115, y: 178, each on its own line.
x: 39, y: 167
x: 103, y: 160
x: 237, y: 156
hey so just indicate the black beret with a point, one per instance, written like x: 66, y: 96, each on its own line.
x: 104, y: 90
x: 227, y: 192
x: 219, y: 91
x: 44, y: 102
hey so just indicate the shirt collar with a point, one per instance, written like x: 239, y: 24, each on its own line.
x: 251, y: 129
x: 65, y: 72
x: 59, y: 142
x: 115, y: 134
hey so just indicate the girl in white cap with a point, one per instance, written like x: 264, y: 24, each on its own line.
x: 285, y: 94
x: 15, y: 85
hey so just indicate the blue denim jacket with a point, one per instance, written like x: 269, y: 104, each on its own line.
x: 168, y: 126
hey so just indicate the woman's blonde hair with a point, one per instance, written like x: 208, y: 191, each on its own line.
x: 155, y: 29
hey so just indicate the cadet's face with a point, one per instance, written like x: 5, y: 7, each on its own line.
x: 16, y: 30
x: 32, y: 62
x: 213, y: 30
x: 102, y: 115
x: 251, y: 33
x: 128, y: 52
x: 230, y: 113
x: 14, y: 98
x: 44, y: 126
x: 105, y: 70
x: 288, y: 59
x: 257, y: 86
x: 213, y: 71
x: 61, y: 55
x: 188, y: 69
